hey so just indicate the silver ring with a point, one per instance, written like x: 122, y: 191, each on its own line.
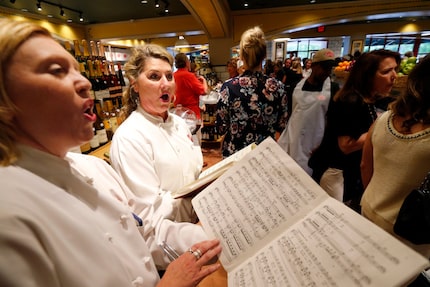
x: 197, y: 253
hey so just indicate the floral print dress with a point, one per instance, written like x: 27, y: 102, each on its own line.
x: 251, y: 108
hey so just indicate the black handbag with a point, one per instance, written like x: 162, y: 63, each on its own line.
x: 413, y: 220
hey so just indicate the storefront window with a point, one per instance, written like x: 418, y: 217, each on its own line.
x: 401, y: 43
x: 304, y: 48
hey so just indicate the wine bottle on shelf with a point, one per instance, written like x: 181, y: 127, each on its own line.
x: 104, y: 117
x: 78, y: 55
x: 99, y: 125
x: 92, y: 78
x: 116, y: 85
x: 93, y: 51
x: 94, y: 142
x: 111, y: 111
x: 68, y: 47
x: 86, y: 55
x: 101, y: 50
x: 121, y: 76
x: 103, y: 91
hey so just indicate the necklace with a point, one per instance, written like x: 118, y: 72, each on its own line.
x: 372, y: 111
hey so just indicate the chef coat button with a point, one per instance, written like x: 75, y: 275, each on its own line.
x: 146, y: 260
x: 138, y: 281
x: 124, y: 217
x: 108, y: 236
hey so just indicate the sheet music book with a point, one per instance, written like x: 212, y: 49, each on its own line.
x: 279, y: 228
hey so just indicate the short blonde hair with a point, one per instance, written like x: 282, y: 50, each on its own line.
x: 12, y: 35
x: 253, y: 47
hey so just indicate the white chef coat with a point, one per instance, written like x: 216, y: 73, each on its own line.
x: 60, y: 228
x: 305, y: 128
x: 156, y: 158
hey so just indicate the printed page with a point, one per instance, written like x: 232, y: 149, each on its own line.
x: 212, y: 173
x: 332, y: 246
x: 255, y: 200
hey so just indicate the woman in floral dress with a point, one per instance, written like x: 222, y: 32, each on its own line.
x: 252, y: 106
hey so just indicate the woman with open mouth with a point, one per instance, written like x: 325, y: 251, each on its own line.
x: 153, y: 150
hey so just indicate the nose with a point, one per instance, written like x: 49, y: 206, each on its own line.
x: 83, y: 84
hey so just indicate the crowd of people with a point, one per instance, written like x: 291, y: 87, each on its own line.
x: 59, y: 208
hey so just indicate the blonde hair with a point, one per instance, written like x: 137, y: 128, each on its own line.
x: 134, y: 67
x: 253, y: 48
x: 12, y: 35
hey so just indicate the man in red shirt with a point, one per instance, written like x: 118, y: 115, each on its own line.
x: 188, y: 86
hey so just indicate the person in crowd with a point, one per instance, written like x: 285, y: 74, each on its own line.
x: 311, y: 97
x: 240, y: 67
x: 268, y: 67
x: 189, y: 88
x: 251, y: 106
x: 396, y: 154
x: 349, y: 118
x: 278, y: 72
x: 232, y: 68
x: 307, y: 70
x: 152, y: 150
x: 287, y: 66
x: 293, y: 78
x: 66, y: 218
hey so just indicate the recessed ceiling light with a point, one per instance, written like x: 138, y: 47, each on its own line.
x: 144, y: 1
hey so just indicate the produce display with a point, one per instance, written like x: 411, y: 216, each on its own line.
x: 406, y: 65
x: 344, y: 66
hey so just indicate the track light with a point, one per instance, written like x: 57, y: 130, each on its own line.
x: 166, y: 6
x: 62, y: 11
x: 39, y: 7
x: 81, y: 18
x: 157, y: 4
x: 12, y: 1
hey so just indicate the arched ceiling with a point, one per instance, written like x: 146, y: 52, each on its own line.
x: 212, y: 19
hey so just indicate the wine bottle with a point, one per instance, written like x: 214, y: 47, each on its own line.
x: 101, y: 50
x: 78, y: 54
x: 116, y: 85
x: 94, y: 142
x: 104, y: 118
x: 68, y: 47
x: 121, y: 76
x: 86, y: 55
x: 102, y: 92
x: 111, y: 110
x: 99, y: 125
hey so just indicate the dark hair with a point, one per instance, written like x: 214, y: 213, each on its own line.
x: 415, y: 101
x: 181, y: 60
x: 362, y: 75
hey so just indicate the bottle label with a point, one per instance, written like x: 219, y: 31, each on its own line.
x: 94, y: 142
x: 102, y: 135
x: 113, y: 123
x: 101, y: 94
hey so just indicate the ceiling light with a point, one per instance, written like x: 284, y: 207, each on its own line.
x: 81, y: 18
x: 12, y: 1
x: 62, y: 11
x: 157, y: 4
x: 144, y: 1
x: 39, y: 7
x: 181, y: 43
